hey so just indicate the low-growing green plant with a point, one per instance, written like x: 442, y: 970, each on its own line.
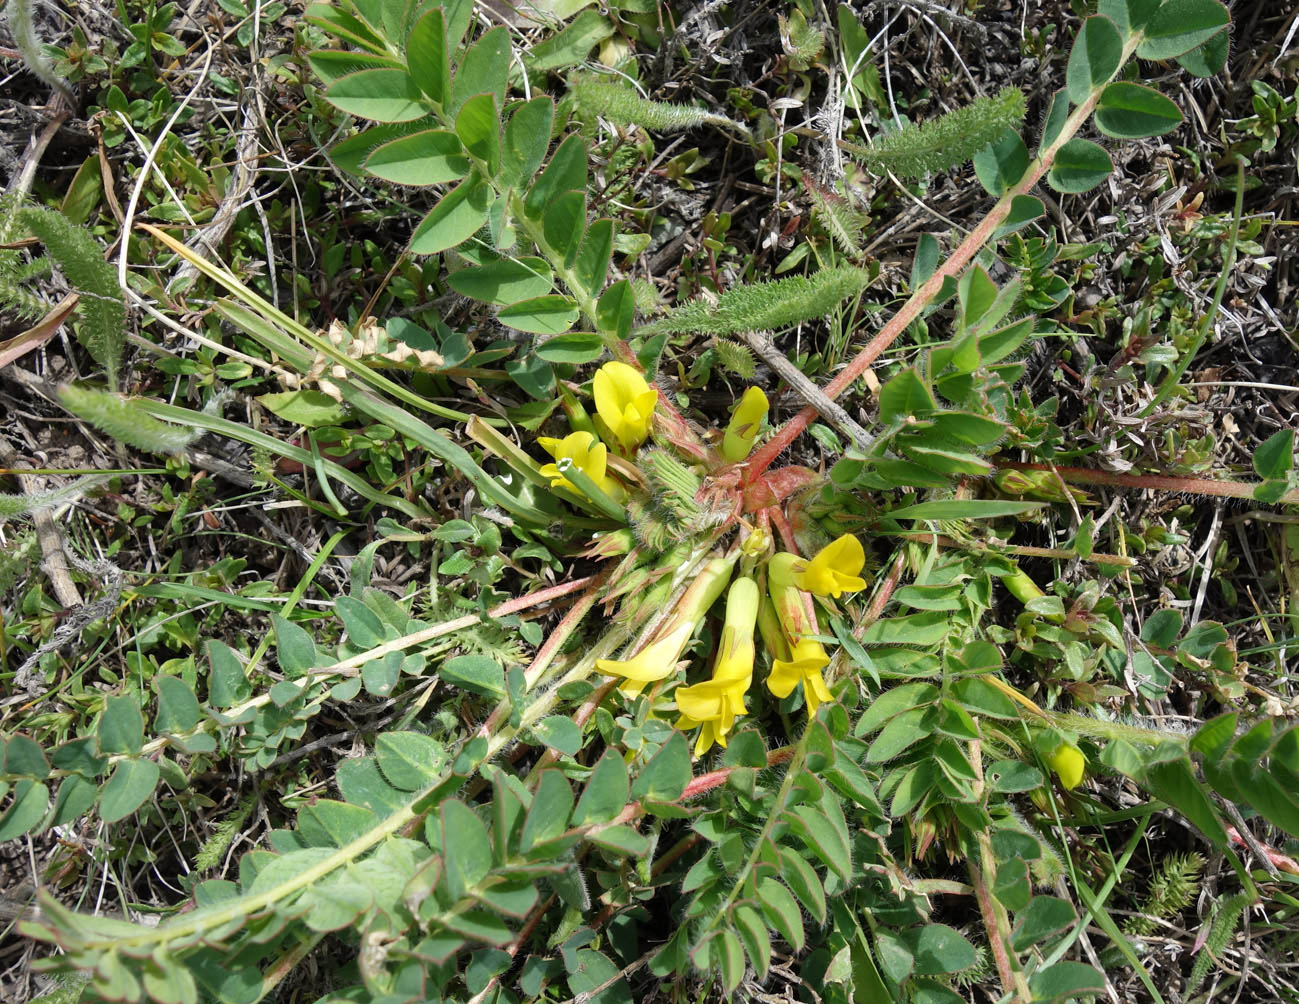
x: 871, y: 809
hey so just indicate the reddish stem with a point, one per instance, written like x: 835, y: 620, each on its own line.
x: 1157, y: 482
x: 968, y: 248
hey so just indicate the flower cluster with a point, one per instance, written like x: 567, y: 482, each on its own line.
x: 624, y: 405
x: 773, y: 594
x: 785, y: 618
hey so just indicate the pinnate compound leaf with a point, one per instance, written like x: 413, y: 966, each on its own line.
x: 409, y: 760
x: 381, y: 95
x: 428, y: 157
x: 30, y: 800
x: 456, y: 218
x: 1133, y: 111
x: 1096, y: 54
x: 1181, y: 25
x: 131, y: 785
x: 1079, y: 165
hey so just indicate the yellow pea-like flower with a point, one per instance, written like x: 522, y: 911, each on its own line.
x: 796, y: 658
x: 803, y: 666
x: 658, y: 659
x: 746, y: 419
x: 625, y: 403
x: 834, y: 569
x: 1069, y: 765
x: 713, y: 706
x: 586, y: 454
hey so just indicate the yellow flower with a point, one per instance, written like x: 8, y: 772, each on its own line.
x: 582, y: 451
x: 713, y: 706
x: 804, y: 666
x: 658, y: 659
x: 746, y: 419
x: 1069, y: 765
x: 625, y: 403
x: 796, y: 658
x: 793, y: 605
x: 833, y: 571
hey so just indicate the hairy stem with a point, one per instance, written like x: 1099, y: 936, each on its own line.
x: 1155, y: 482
